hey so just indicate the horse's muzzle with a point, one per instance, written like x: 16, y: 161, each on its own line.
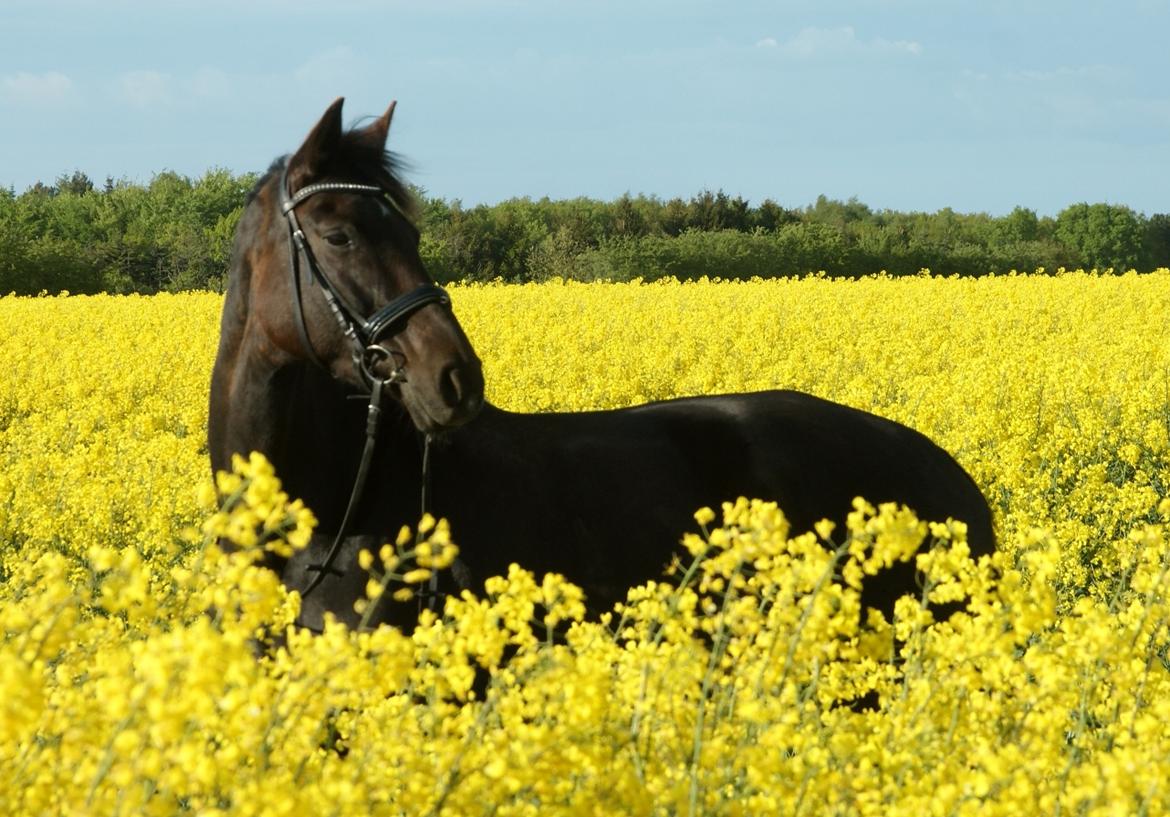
x: 453, y: 398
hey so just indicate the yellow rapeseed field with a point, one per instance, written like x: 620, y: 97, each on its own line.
x: 130, y: 682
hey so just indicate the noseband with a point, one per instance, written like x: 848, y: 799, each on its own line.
x: 364, y: 335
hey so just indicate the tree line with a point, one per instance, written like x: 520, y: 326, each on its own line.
x: 175, y: 233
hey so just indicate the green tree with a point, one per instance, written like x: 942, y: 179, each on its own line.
x: 839, y: 214
x: 76, y: 183
x: 718, y: 211
x: 674, y: 217
x: 1156, y: 248
x: 627, y: 218
x: 770, y: 216
x: 1101, y: 235
x: 1021, y: 224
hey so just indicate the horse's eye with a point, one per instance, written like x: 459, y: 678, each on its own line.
x: 337, y: 238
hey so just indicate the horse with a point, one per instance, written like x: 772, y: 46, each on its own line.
x: 327, y: 237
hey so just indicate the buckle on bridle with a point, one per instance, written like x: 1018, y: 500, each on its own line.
x: 375, y: 352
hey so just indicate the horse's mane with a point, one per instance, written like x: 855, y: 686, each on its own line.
x: 374, y: 166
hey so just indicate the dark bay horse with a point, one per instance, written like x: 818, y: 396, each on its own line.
x: 328, y: 300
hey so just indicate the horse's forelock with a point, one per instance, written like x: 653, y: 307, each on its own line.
x: 369, y: 164
x: 383, y: 168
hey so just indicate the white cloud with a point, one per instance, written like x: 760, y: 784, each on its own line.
x: 1073, y: 75
x: 909, y: 46
x: 211, y: 83
x: 333, y: 67
x: 37, y: 89
x: 143, y: 89
x: 1074, y: 101
x: 830, y: 42
x: 814, y: 41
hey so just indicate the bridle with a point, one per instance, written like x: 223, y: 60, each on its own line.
x: 363, y: 335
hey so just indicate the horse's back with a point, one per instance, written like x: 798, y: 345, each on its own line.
x: 657, y: 463
x: 813, y: 456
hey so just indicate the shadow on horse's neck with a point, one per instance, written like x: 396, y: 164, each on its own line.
x: 314, y: 429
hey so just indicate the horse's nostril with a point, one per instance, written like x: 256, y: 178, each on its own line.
x: 457, y: 385
x: 460, y: 392
x: 449, y: 386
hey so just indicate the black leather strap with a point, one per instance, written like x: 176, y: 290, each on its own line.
x: 402, y: 307
x: 373, y: 414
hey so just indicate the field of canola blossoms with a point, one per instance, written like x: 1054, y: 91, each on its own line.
x: 716, y: 691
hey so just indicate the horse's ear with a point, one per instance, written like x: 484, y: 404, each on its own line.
x: 321, y: 143
x: 374, y: 134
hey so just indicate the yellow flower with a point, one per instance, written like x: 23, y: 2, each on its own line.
x: 145, y: 670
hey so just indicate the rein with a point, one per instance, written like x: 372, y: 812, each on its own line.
x: 363, y: 334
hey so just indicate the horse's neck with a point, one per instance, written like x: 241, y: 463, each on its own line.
x: 314, y: 435
x: 253, y: 408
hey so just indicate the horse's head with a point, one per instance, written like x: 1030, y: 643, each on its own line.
x: 342, y: 283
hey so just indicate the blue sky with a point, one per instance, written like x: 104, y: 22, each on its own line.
x: 905, y: 104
